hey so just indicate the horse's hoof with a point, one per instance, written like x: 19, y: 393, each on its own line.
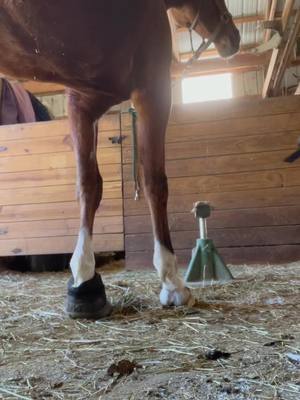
x: 177, y: 297
x: 88, y: 301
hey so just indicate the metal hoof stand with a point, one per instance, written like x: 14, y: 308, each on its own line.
x: 206, y: 266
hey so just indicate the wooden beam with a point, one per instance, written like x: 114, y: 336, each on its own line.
x: 237, y: 64
x: 214, y: 52
x: 173, y: 27
x: 286, y: 13
x: 238, y: 20
x: 287, y: 54
x: 271, y: 16
x: 271, y: 67
x: 42, y: 88
x: 276, y: 55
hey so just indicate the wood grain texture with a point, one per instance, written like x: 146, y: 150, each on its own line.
x: 224, y: 146
x: 38, y: 209
x: 232, y: 255
x: 58, y: 245
x: 53, y: 194
x: 224, y: 201
x: 238, y: 128
x: 108, y: 126
x: 266, y: 161
x: 38, y: 162
x: 270, y: 216
x: 59, y: 210
x: 240, y: 108
x: 231, y: 182
x: 54, y: 177
x: 225, y: 237
x: 49, y: 144
x: 61, y: 227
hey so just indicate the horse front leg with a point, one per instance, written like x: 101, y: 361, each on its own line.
x: 153, y: 113
x: 86, y: 293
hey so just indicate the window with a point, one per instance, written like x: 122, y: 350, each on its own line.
x: 206, y: 88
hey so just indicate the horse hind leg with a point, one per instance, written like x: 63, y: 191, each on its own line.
x: 153, y: 110
x: 86, y: 293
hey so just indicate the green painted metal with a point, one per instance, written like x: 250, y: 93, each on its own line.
x: 206, y: 267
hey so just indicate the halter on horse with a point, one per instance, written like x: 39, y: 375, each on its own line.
x: 66, y: 42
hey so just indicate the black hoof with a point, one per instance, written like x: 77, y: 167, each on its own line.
x: 87, y: 301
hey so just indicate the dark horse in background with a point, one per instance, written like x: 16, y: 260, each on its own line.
x: 106, y: 52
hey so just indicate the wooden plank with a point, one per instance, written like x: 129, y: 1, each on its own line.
x: 270, y: 216
x: 60, y: 210
x: 237, y: 64
x: 213, y: 52
x: 49, y: 194
x: 270, y: 15
x: 175, y: 44
x: 226, y: 182
x: 62, y: 227
x: 50, y: 144
x: 233, y: 255
x: 58, y: 244
x: 54, y: 177
x: 287, y: 12
x: 234, y: 128
x: 225, y: 237
x: 287, y: 54
x: 223, y: 201
x: 262, y: 254
x: 37, y: 162
x: 221, y: 146
x: 227, y: 110
x: 281, y: 55
x: 43, y: 88
x: 222, y: 165
x: 109, y: 125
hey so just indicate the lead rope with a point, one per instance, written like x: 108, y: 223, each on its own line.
x: 135, y: 172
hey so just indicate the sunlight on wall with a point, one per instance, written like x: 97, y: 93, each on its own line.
x: 207, y: 88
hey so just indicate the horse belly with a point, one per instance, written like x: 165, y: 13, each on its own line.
x: 70, y: 43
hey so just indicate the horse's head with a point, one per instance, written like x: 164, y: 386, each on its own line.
x: 211, y: 20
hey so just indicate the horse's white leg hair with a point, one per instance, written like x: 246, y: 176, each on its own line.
x: 83, y: 260
x: 173, y: 290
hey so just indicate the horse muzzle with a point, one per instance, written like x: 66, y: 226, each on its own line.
x: 228, y: 43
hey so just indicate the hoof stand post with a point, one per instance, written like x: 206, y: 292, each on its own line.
x: 206, y: 266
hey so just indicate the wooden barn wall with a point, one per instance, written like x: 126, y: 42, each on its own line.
x: 231, y: 154
x: 39, y: 213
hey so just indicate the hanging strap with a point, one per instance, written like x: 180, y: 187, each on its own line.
x: 135, y: 170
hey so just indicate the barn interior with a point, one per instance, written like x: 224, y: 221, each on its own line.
x: 233, y: 124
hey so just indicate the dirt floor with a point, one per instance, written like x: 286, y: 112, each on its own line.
x: 146, y: 352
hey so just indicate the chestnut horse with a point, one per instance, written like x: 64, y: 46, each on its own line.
x: 106, y: 52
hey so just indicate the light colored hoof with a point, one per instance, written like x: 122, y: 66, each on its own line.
x: 177, y: 297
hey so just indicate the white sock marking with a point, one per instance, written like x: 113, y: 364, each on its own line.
x: 173, y: 290
x: 83, y: 260
x: 166, y: 265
